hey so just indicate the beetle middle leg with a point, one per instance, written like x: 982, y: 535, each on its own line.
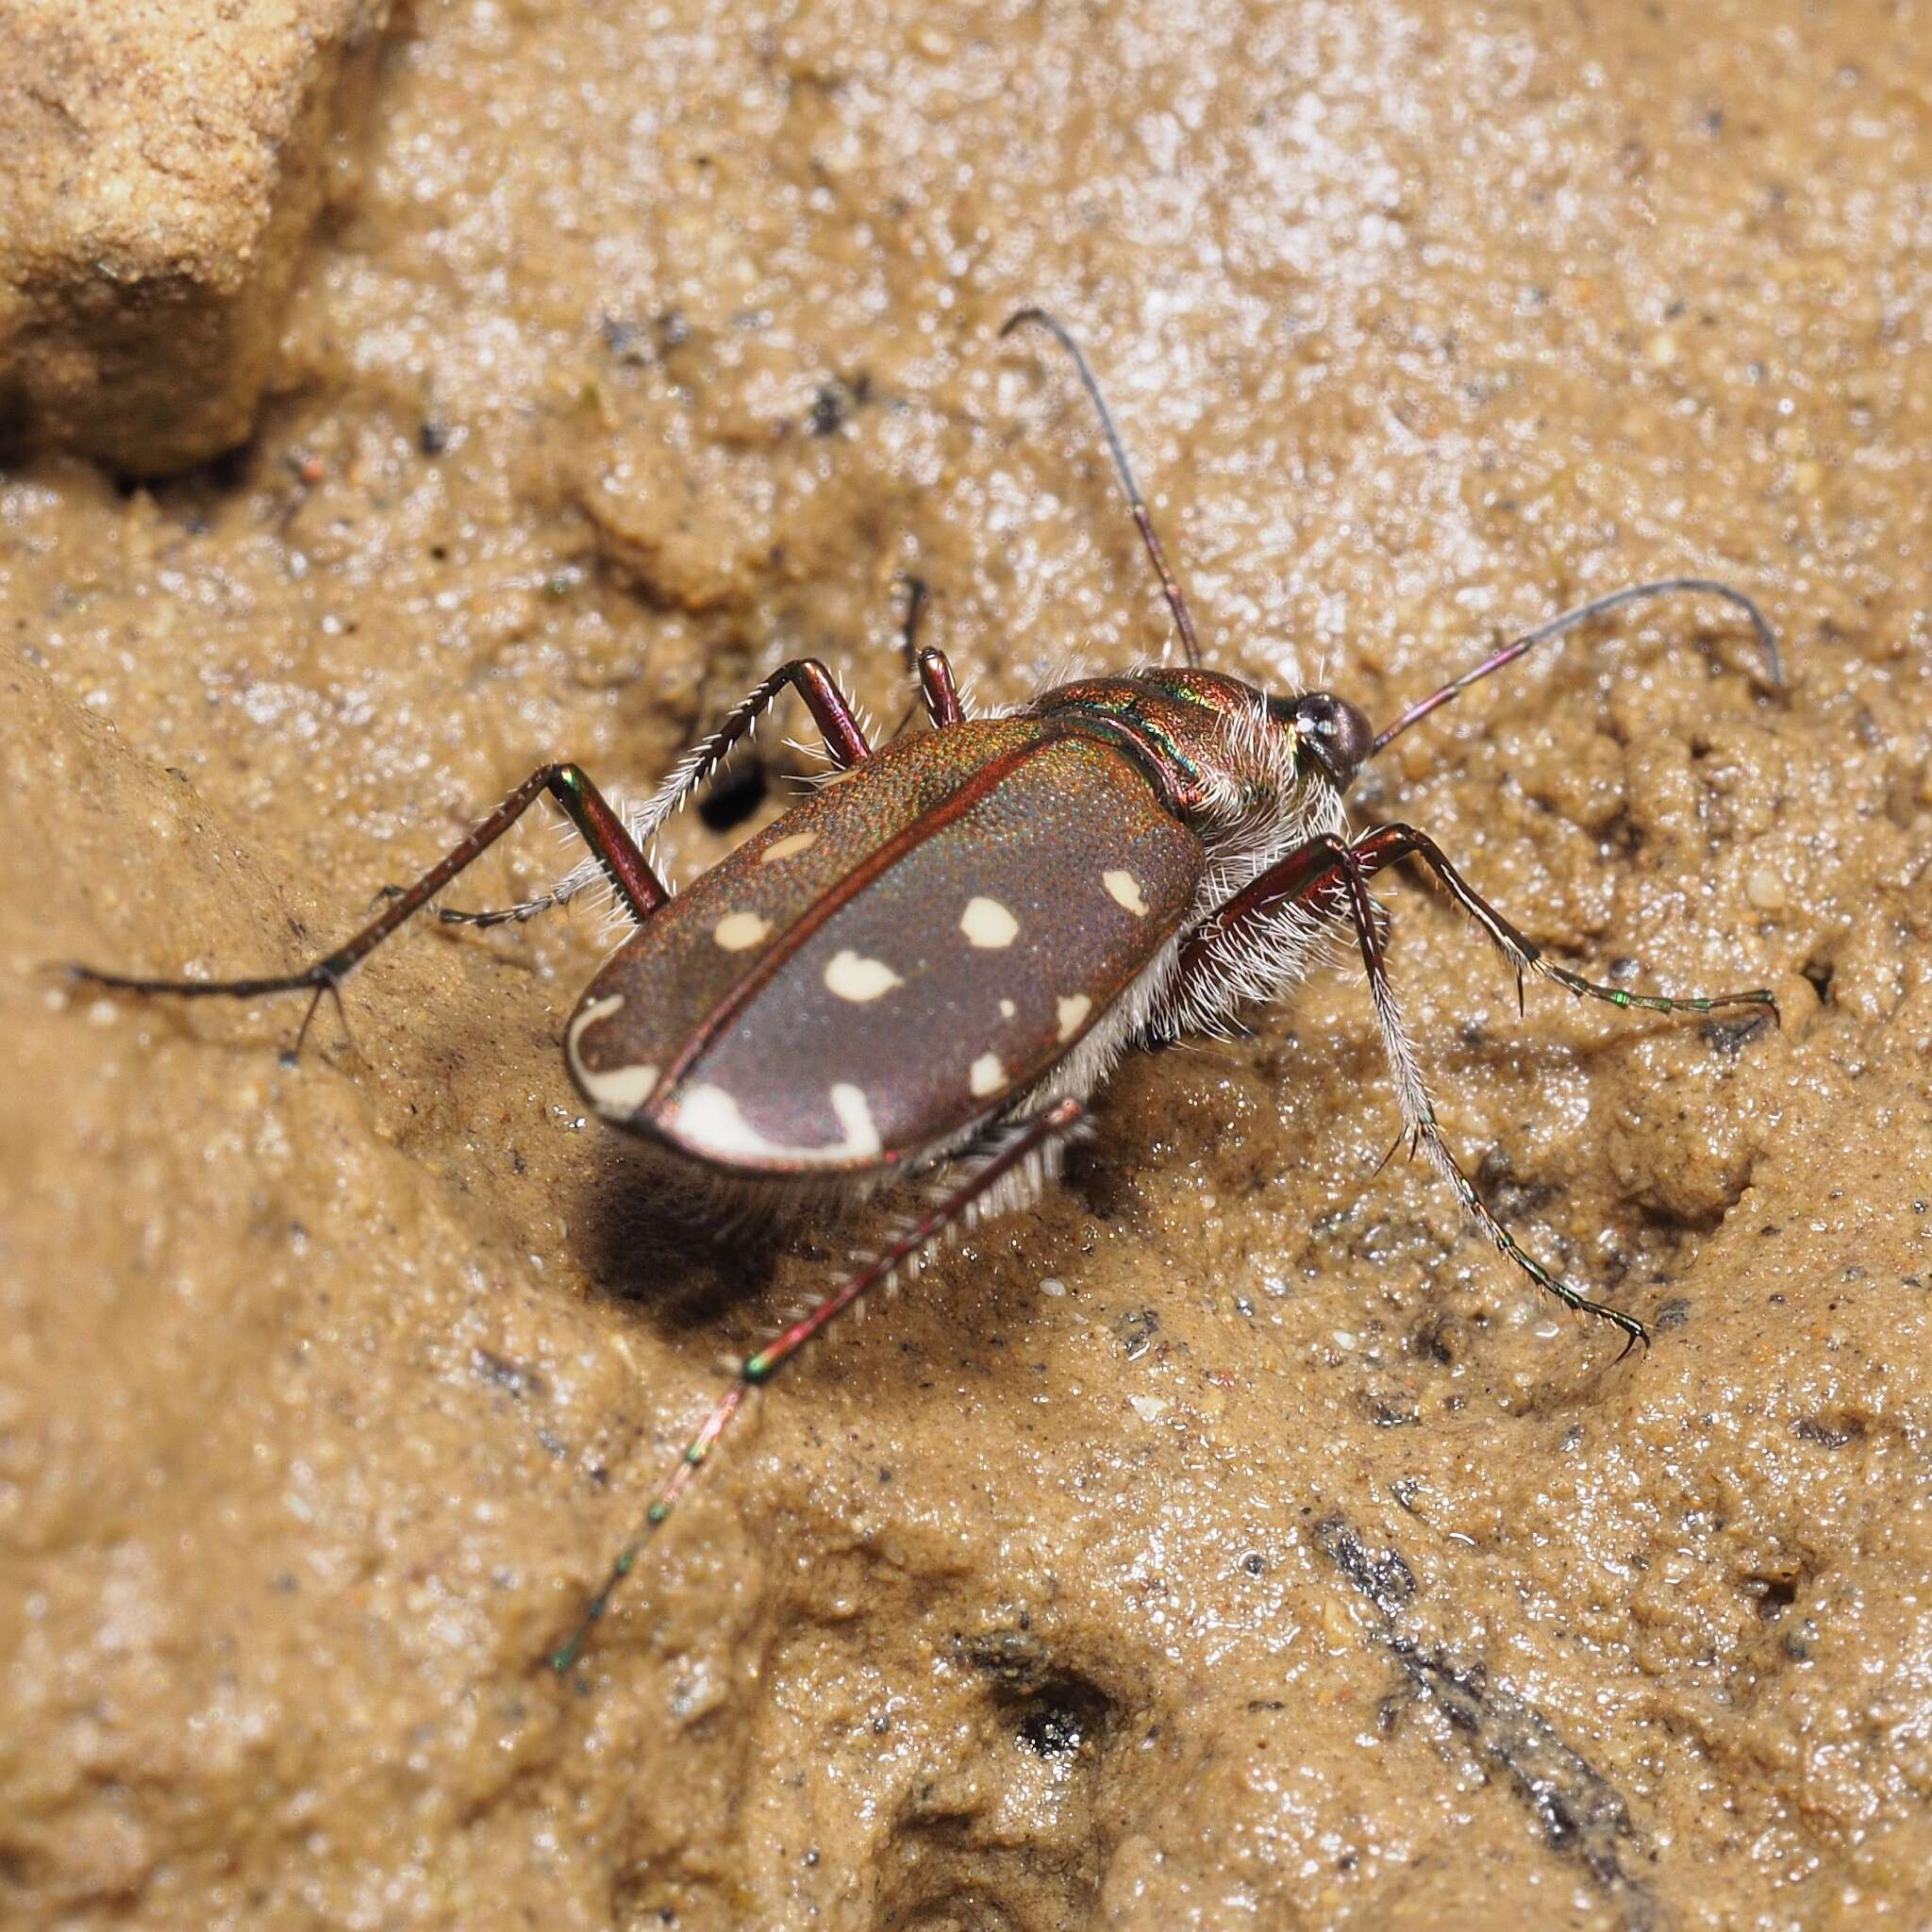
x: 1287, y: 903
x: 614, y: 858
x: 845, y: 741
x: 937, y: 688
x: 1026, y: 1145
x: 846, y: 746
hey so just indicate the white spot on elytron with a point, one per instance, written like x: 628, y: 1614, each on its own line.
x: 617, y: 1090
x: 1008, y: 1010
x: 988, y: 1076
x: 987, y: 923
x: 598, y: 1010
x: 1125, y: 890
x: 709, y: 1117
x: 787, y: 847
x: 1073, y: 1011
x: 855, y: 1116
x: 853, y: 976
x: 738, y: 930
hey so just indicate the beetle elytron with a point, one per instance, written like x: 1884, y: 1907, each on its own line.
x: 927, y: 965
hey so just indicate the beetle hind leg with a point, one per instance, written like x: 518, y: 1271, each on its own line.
x: 615, y: 859
x: 1016, y: 1162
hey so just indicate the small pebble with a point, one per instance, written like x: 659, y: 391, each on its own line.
x: 1765, y: 890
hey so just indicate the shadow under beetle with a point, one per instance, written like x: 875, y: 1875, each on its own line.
x: 927, y: 965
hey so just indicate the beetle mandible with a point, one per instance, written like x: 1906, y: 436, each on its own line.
x: 927, y: 965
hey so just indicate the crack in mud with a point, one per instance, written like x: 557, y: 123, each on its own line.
x: 1579, y: 1811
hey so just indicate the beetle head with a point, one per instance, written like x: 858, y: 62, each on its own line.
x: 1333, y: 732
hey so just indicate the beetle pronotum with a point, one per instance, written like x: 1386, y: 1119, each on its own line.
x: 929, y: 964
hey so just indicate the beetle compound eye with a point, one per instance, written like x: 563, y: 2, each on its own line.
x: 1336, y: 733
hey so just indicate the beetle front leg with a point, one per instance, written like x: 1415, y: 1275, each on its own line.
x: 1294, y: 885
x: 1389, y: 844
x: 1029, y: 1145
x: 615, y: 858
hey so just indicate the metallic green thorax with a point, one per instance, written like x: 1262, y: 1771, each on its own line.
x: 1173, y: 725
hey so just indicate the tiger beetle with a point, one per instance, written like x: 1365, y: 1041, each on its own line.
x: 927, y: 965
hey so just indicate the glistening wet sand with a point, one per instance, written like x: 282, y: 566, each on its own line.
x: 1233, y: 1541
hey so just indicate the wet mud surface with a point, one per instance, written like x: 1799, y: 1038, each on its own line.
x: 1232, y: 1540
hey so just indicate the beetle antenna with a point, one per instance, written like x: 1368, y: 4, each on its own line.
x: 1569, y: 619
x: 1191, y: 647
